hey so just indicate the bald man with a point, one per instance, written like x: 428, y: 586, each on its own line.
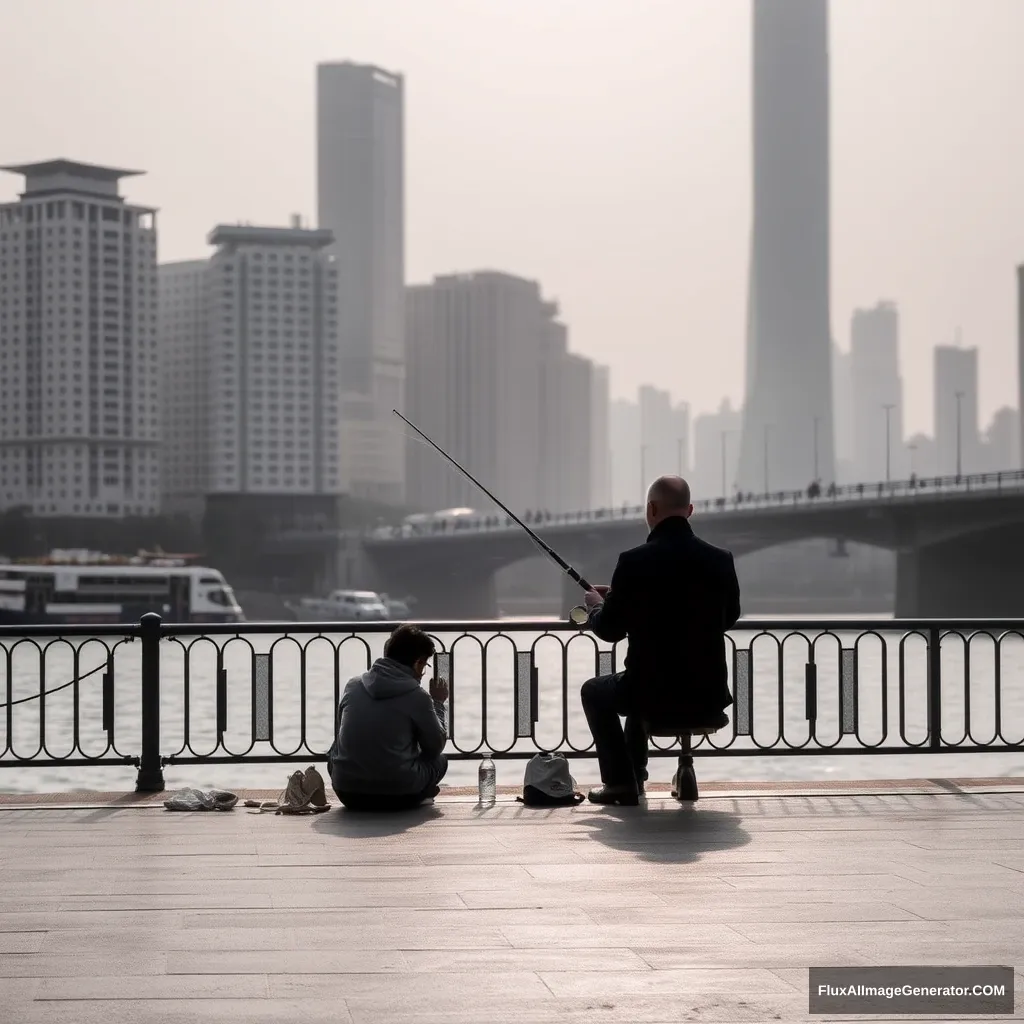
x: 675, y: 597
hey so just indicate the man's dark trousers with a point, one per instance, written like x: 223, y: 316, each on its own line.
x: 355, y: 801
x: 622, y: 755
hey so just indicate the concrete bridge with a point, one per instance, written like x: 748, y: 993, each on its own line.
x: 959, y: 544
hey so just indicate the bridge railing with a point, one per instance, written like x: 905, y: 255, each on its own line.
x: 154, y: 694
x: 879, y: 491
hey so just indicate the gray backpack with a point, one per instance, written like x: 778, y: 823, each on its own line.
x: 548, y: 783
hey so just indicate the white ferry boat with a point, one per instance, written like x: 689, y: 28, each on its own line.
x: 114, y: 590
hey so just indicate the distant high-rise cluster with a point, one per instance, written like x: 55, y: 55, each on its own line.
x: 491, y: 379
x: 868, y: 393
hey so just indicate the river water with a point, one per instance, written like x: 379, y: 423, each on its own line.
x: 969, y: 675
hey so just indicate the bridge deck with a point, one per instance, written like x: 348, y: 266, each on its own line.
x: 452, y: 914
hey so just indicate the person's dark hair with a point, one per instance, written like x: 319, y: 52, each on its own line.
x: 407, y: 644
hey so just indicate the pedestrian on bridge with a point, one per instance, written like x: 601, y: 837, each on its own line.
x: 674, y: 597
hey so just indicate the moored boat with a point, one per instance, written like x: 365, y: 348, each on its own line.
x: 86, y: 587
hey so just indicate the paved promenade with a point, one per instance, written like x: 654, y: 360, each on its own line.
x: 115, y: 911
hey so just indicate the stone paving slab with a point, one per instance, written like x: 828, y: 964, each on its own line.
x: 113, y: 909
x: 708, y: 789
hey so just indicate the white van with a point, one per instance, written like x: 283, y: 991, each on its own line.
x: 341, y: 606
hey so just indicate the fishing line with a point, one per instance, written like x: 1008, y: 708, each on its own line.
x: 539, y: 542
x: 56, y: 689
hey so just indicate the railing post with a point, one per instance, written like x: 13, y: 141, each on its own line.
x: 934, y: 689
x: 151, y: 773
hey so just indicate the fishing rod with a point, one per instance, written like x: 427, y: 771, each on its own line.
x: 578, y: 614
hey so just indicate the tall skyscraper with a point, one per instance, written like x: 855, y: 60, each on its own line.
x: 789, y: 382
x: 79, y: 374
x: 956, y: 410
x: 476, y: 344
x: 361, y: 200
x: 252, y: 369
x: 877, y: 394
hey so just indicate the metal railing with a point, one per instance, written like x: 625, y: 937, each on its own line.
x: 920, y: 487
x: 153, y: 694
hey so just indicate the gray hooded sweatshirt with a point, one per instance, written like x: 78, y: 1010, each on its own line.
x: 390, y: 732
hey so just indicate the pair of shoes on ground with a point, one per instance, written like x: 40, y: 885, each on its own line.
x: 684, y: 789
x: 304, y: 794
x: 197, y: 800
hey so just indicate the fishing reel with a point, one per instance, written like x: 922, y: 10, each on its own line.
x: 578, y: 616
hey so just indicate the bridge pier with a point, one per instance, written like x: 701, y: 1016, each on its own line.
x: 447, y: 593
x: 979, y: 575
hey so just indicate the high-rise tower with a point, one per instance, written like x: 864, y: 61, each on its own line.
x: 360, y: 199
x: 787, y: 423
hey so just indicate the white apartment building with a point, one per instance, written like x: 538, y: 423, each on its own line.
x: 361, y: 200
x: 79, y: 403
x: 253, y: 367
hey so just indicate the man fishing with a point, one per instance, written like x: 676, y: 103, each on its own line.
x: 675, y: 597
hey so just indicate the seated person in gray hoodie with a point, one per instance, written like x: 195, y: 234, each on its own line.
x: 387, y: 755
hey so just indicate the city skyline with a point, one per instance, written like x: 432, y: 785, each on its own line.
x: 936, y: 226
x: 569, y: 470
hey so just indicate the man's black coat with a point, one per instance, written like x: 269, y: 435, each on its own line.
x: 675, y: 597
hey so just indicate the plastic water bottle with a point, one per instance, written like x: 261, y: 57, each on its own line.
x: 487, y: 779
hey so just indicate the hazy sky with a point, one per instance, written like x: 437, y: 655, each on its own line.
x: 600, y: 146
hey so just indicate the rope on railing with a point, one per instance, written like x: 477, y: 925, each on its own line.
x: 56, y: 689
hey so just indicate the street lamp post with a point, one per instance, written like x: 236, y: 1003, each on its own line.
x: 888, y: 445
x: 959, y: 451
x: 817, y: 420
